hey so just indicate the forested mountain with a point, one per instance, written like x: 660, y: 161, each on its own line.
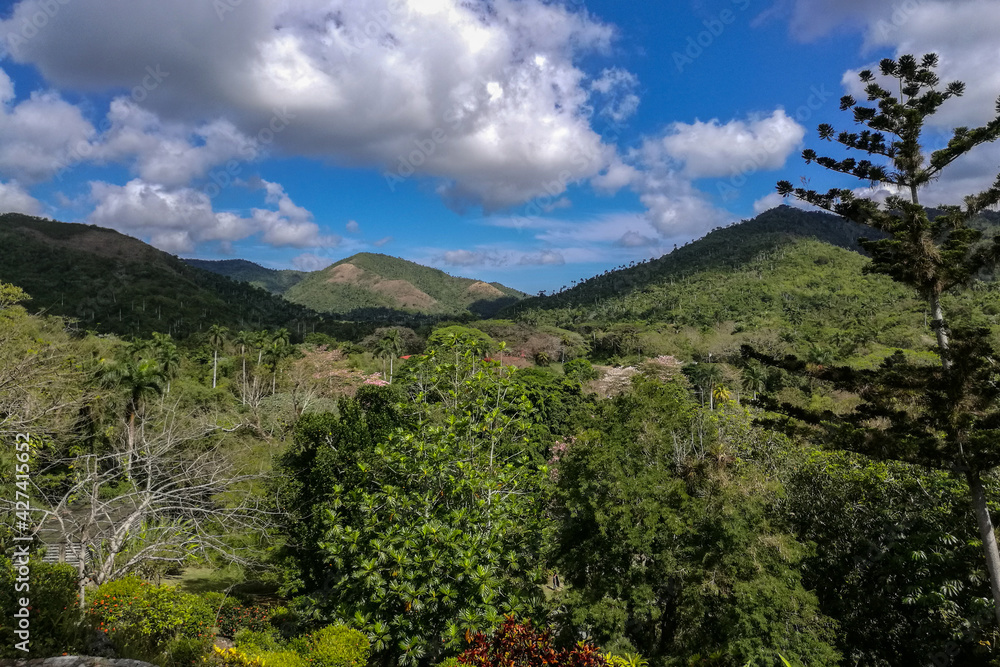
x: 111, y: 282
x: 273, y: 280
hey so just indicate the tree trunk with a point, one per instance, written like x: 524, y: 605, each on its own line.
x: 988, y: 535
x: 937, y: 323
x: 215, y: 367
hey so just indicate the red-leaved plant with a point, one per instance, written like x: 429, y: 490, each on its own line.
x: 516, y: 644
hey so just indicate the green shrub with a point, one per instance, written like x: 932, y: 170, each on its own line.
x: 257, y: 641
x: 148, y: 622
x: 333, y: 646
x: 55, y: 613
x: 580, y: 370
x: 284, y: 659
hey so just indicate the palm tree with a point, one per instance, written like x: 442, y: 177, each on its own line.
x: 391, y: 346
x: 243, y: 340
x: 755, y: 378
x: 278, y: 350
x: 165, y: 351
x: 138, y: 378
x: 217, y: 339
x: 706, y: 377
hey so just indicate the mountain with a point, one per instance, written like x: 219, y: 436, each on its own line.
x: 374, y: 286
x: 787, y: 276
x: 114, y: 283
x: 241, y: 270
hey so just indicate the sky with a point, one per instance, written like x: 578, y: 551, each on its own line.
x: 529, y: 142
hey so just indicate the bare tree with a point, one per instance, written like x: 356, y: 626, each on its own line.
x: 184, y: 498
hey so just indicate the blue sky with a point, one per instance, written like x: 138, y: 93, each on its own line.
x: 529, y: 142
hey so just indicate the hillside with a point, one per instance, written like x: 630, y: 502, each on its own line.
x: 788, y: 276
x: 241, y: 270
x: 375, y: 282
x: 114, y: 283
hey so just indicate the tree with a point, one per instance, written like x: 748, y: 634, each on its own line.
x: 139, y: 376
x: 243, y: 340
x: 932, y: 256
x: 669, y: 548
x: 390, y: 347
x: 167, y: 356
x: 180, y: 496
x: 217, y: 339
x: 428, y: 531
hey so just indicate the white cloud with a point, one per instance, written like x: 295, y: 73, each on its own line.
x: 39, y: 136
x: 14, y: 199
x: 616, y: 88
x: 715, y: 149
x: 309, y: 262
x: 543, y: 258
x: 352, y: 227
x: 383, y: 241
x: 178, y: 219
x: 486, y: 99
x: 472, y: 258
x: 171, y: 153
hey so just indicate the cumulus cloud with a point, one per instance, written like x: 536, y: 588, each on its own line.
x: 711, y: 148
x: 177, y: 219
x: 14, y: 199
x: 39, y: 136
x: 484, y: 98
x: 352, y: 227
x: 169, y: 153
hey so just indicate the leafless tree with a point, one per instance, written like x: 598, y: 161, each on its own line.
x: 185, y: 498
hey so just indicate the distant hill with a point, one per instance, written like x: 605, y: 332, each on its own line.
x: 241, y: 270
x: 114, y: 283
x: 374, y: 286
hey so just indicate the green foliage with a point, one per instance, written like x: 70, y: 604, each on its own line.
x: 896, y: 563
x: 580, y: 370
x: 144, y: 621
x: 336, y: 646
x: 54, y: 610
x: 460, y: 339
x: 432, y: 530
x: 667, y: 547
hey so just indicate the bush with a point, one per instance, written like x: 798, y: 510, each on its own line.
x: 334, y: 646
x: 580, y: 370
x: 234, y: 616
x: 149, y: 622
x: 55, y: 613
x: 516, y: 644
x: 255, y: 641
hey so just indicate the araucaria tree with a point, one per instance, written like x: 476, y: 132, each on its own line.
x: 949, y: 418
